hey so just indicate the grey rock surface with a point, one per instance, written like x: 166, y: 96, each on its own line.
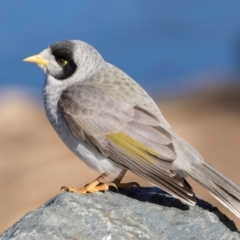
x: 140, y: 213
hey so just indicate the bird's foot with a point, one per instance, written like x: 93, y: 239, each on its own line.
x: 95, y: 186
x: 118, y: 179
x: 127, y: 185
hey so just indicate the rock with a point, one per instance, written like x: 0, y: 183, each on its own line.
x: 139, y: 213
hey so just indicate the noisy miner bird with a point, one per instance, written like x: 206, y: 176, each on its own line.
x: 113, y: 125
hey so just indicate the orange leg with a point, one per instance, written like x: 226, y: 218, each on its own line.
x: 97, y: 184
x: 94, y: 186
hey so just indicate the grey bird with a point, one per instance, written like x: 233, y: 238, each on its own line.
x: 113, y: 125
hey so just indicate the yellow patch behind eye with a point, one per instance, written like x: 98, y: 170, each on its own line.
x: 131, y: 145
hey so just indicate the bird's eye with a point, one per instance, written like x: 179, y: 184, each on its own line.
x: 61, y: 62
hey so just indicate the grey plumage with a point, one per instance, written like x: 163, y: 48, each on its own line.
x: 111, y: 123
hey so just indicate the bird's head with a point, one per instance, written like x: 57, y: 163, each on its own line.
x: 70, y: 60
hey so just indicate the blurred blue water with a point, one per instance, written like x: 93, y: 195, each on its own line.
x: 161, y: 44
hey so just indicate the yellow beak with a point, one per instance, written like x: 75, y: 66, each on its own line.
x: 36, y: 59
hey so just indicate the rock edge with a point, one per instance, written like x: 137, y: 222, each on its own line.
x: 139, y: 213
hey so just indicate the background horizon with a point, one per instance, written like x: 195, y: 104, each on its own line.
x: 168, y: 47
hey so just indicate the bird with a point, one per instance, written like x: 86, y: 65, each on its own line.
x: 111, y: 123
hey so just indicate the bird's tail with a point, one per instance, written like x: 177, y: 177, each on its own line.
x: 222, y: 188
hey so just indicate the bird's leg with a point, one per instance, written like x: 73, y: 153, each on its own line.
x: 97, y: 184
x: 118, y: 179
x: 94, y: 186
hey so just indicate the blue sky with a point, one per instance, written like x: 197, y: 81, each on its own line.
x: 158, y: 43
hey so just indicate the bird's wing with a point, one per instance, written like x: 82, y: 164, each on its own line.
x: 124, y: 132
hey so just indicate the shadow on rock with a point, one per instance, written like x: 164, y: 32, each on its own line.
x: 157, y: 196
